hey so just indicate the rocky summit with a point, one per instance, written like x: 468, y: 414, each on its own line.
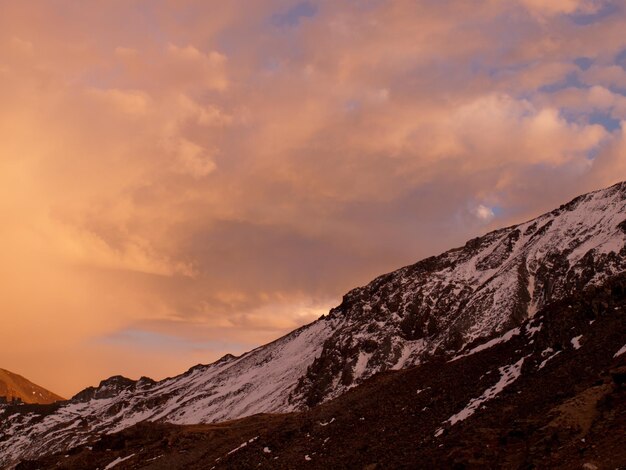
x: 441, y: 314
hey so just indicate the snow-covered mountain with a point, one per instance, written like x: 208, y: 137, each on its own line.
x: 442, y: 307
x: 550, y: 393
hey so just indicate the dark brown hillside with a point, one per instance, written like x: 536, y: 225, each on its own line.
x: 566, y: 409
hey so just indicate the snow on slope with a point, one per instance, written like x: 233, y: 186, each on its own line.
x: 451, y: 303
x: 441, y: 306
x: 258, y: 381
x: 508, y: 375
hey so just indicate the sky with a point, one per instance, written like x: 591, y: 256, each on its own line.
x: 181, y: 179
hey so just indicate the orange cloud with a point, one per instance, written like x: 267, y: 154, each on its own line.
x: 180, y: 180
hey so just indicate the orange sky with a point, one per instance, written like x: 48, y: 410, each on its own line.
x: 183, y: 179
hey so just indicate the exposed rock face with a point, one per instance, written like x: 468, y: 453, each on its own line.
x: 110, y: 388
x: 433, y: 310
x: 443, y: 304
x: 14, y: 387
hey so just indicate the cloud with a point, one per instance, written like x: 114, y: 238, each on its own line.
x: 484, y: 213
x: 127, y: 101
x: 184, y: 174
x: 560, y: 6
x: 294, y: 15
x: 192, y: 159
x: 188, y: 65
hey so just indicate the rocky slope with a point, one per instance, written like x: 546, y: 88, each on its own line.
x: 548, y: 394
x: 15, y: 387
x: 432, y: 311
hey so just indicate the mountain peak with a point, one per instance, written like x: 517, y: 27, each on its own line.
x: 14, y: 387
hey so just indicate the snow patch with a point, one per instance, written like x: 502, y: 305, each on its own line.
x: 621, y: 351
x: 532, y: 303
x: 508, y: 375
x: 531, y: 330
x: 118, y: 461
x: 502, y: 339
x: 237, y: 448
x: 361, y: 364
x: 545, y: 361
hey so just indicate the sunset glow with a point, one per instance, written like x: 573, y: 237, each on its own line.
x: 186, y: 179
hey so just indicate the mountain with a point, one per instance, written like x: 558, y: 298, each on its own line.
x: 551, y: 393
x: 427, y: 313
x: 15, y: 387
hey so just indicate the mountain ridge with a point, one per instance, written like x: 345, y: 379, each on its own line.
x: 435, y: 309
x: 550, y: 395
x: 463, y: 292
